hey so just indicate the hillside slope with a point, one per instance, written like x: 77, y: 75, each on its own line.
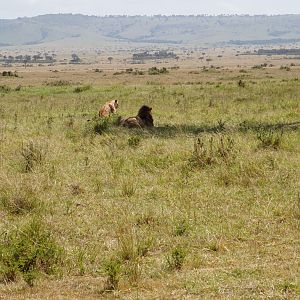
x: 197, y: 30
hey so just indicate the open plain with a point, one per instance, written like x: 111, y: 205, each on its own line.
x: 204, y: 205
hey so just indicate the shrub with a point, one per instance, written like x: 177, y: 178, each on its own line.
x: 4, y: 89
x: 259, y: 66
x: 176, y: 258
x: 144, y: 246
x: 19, y: 200
x: 80, y: 89
x: 99, y: 125
x: 289, y: 287
x: 285, y: 68
x: 181, y: 228
x: 146, y: 219
x: 156, y: 71
x: 28, y: 251
x: 127, y: 245
x: 138, y: 72
x: 134, y: 141
x: 59, y: 83
x: 132, y: 245
x: 269, y: 139
x: 241, y: 83
x: 213, y: 151
x: 128, y: 188
x: 33, y: 154
x: 18, y: 88
x: 112, y: 269
x: 10, y: 74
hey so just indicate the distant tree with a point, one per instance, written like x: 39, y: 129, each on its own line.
x: 110, y: 59
x: 26, y: 60
x: 75, y: 59
x: 35, y: 57
x: 19, y: 58
x: 49, y: 58
x: 10, y: 59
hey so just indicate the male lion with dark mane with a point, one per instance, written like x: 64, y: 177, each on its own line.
x: 143, y: 119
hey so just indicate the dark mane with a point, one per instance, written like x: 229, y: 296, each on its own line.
x: 145, y: 115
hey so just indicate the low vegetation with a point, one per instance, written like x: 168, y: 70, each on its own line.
x: 157, y: 71
x: 10, y: 74
x: 27, y: 251
x: 206, y: 204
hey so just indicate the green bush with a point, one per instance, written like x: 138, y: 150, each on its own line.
x: 28, y: 251
x: 4, y: 89
x: 80, y: 89
x: 176, y: 258
x: 10, y: 74
x: 99, y: 125
x: 134, y: 141
x: 112, y: 269
x: 157, y: 71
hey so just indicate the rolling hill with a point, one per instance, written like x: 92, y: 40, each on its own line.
x: 177, y: 30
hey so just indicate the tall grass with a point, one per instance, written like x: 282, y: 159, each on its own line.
x: 204, y: 205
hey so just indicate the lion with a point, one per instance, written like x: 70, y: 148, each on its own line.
x: 108, y: 108
x: 143, y: 119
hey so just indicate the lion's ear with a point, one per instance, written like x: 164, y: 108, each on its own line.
x: 150, y: 108
x: 116, y: 101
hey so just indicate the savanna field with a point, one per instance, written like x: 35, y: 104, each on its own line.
x: 204, y: 205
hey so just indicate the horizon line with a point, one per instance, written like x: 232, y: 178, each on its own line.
x: 155, y: 15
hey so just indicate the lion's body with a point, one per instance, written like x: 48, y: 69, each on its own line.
x: 143, y: 119
x: 108, y: 108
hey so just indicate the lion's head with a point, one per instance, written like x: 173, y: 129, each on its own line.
x: 146, y: 115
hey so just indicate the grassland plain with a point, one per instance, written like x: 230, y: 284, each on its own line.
x: 205, y: 205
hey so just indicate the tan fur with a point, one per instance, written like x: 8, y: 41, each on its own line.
x: 108, y: 108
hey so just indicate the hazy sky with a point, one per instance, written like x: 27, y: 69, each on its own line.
x: 21, y: 8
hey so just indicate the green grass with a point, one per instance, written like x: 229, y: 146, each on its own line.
x: 148, y: 213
